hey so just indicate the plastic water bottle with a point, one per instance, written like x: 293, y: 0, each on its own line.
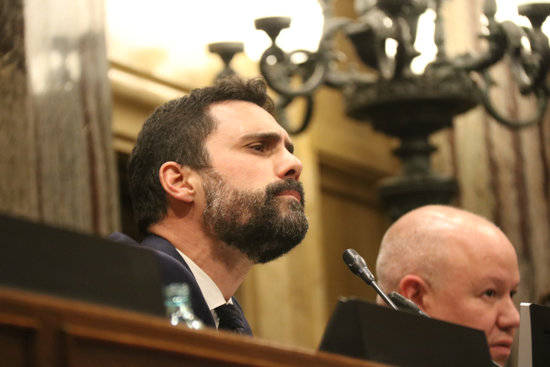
x: 178, y: 306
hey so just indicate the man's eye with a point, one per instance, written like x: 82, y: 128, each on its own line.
x: 257, y: 147
x: 490, y: 293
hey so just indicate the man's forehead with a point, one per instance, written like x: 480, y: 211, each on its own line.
x: 482, y: 251
x: 245, y: 120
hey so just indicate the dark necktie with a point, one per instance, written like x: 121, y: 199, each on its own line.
x: 231, y: 319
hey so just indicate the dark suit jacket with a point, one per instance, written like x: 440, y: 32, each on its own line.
x: 174, y: 269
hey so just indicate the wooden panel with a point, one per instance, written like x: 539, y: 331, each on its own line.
x: 75, y: 334
x: 352, y: 218
x: 91, y: 347
x: 17, y: 340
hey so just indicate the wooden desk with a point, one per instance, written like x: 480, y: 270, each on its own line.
x: 38, y: 330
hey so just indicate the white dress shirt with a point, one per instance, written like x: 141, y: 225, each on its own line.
x: 210, y: 291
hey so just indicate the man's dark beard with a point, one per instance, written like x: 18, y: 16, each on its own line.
x: 257, y: 223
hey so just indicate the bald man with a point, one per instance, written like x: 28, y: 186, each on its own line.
x: 456, y: 266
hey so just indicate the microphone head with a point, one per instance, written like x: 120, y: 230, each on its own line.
x: 350, y: 258
x: 357, y: 264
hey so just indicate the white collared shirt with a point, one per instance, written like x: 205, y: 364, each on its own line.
x: 210, y: 290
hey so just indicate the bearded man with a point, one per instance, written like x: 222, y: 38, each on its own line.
x: 215, y: 189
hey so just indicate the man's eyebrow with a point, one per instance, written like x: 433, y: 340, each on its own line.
x: 272, y: 137
x: 499, y: 281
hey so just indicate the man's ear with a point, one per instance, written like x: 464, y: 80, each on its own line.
x: 414, y: 288
x: 177, y: 182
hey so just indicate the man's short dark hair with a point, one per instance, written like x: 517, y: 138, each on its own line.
x: 176, y: 131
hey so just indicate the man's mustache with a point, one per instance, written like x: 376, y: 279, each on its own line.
x: 288, y: 184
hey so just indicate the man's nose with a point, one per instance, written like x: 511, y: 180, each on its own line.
x: 289, y: 166
x: 509, y: 317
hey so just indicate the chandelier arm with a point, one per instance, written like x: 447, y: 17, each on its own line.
x: 502, y: 38
x: 277, y: 74
x: 338, y: 79
x: 280, y: 113
x: 539, y: 45
x: 542, y: 102
x: 332, y: 26
x: 497, y: 46
x: 277, y: 68
x: 483, y: 61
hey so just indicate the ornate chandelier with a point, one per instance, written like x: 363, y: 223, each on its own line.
x: 396, y: 101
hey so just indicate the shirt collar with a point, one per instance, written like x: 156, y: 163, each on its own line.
x: 210, y: 291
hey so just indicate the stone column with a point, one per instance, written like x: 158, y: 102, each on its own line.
x: 56, y: 159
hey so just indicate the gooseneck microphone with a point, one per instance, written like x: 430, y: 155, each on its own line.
x: 359, y: 267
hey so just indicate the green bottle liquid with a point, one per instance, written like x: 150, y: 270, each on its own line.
x: 178, y: 306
